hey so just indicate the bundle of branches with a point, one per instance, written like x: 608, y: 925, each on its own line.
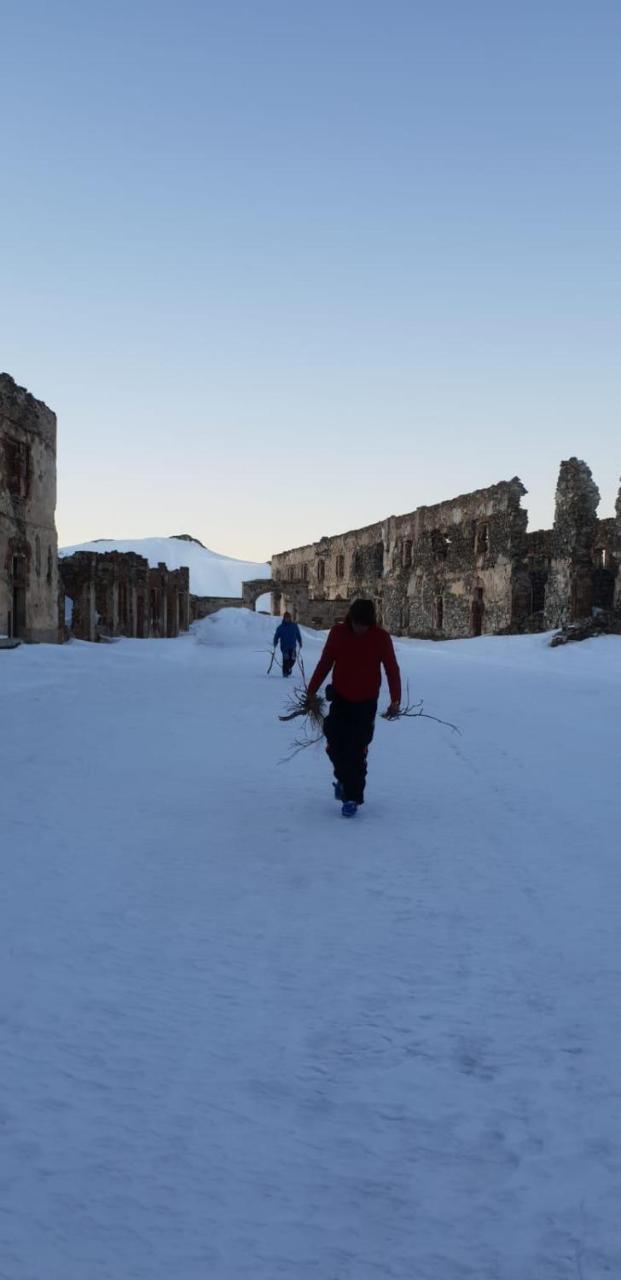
x: 414, y: 711
x: 309, y: 736
x: 301, y: 703
x: 308, y: 707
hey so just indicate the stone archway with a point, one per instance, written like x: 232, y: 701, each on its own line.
x: 254, y: 589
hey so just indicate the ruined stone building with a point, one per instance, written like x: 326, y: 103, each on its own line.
x: 464, y: 567
x: 116, y: 594
x: 28, y: 543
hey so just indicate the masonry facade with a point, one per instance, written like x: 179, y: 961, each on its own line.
x: 465, y: 567
x: 28, y: 542
x: 118, y: 594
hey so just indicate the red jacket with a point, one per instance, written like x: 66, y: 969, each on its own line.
x: 357, y: 662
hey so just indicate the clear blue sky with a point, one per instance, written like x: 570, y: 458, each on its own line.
x: 283, y: 269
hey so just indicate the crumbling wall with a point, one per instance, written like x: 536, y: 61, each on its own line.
x: 158, y: 601
x: 451, y: 568
x: 466, y: 566
x: 252, y: 590
x: 323, y: 614
x: 569, y: 596
x: 605, y: 565
x: 617, y: 553
x: 446, y: 570
x: 203, y: 606
x: 320, y: 580
x: 180, y: 585
x: 28, y: 543
x: 537, y: 567
x: 115, y: 593
x: 310, y: 611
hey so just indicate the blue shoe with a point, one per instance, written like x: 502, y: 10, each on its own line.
x: 339, y: 794
x: 350, y: 809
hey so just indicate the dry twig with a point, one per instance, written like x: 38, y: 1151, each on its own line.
x: 273, y: 659
x: 414, y: 711
x: 300, y: 744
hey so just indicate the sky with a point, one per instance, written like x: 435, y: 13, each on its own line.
x: 285, y: 269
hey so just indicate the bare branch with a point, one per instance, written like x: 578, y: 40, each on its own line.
x: 273, y: 659
x: 414, y: 711
x: 300, y: 744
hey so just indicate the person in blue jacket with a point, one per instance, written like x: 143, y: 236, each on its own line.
x: 288, y: 633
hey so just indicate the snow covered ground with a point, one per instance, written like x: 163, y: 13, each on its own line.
x: 243, y: 1037
x: 210, y: 573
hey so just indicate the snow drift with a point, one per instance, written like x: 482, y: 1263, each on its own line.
x: 243, y: 627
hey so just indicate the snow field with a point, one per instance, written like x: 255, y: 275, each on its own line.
x: 245, y: 1038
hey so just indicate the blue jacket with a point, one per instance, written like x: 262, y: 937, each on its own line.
x: 289, y: 635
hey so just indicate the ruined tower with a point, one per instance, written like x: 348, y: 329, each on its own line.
x: 570, y: 583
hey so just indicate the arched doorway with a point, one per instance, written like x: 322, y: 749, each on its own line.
x: 253, y: 591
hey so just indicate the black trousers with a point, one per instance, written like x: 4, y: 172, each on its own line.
x: 349, y: 731
x: 288, y: 661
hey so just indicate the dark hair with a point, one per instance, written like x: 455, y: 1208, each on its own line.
x: 362, y: 612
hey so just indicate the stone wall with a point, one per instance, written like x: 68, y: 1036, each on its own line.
x: 538, y: 561
x: 446, y: 570
x: 331, y: 570
x: 617, y: 553
x: 252, y: 590
x: 569, y: 594
x: 452, y: 568
x: 28, y: 543
x: 203, y: 606
x: 462, y: 567
x: 605, y: 564
x: 465, y: 567
x: 116, y: 594
x: 309, y: 610
x: 178, y: 600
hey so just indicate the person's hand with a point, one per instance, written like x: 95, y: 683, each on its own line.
x: 392, y: 712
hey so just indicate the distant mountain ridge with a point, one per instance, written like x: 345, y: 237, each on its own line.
x: 187, y: 537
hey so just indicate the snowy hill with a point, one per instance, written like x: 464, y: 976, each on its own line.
x: 244, y: 1038
x: 210, y: 574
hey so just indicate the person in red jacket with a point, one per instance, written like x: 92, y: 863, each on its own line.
x: 355, y: 652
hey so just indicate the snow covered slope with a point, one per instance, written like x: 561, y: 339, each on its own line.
x: 243, y: 1038
x: 210, y: 574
